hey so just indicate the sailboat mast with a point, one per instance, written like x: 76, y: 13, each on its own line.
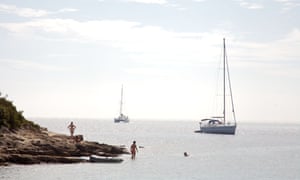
x: 224, y: 79
x: 121, y: 103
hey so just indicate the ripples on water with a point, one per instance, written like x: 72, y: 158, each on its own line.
x: 255, y: 152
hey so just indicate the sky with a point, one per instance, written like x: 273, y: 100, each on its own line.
x: 69, y: 58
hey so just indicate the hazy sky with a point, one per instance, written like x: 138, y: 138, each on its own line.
x: 69, y: 58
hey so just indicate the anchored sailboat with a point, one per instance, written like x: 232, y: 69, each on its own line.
x: 122, y: 117
x: 221, y: 124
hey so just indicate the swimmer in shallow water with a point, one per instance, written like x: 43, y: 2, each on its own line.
x: 133, y: 150
x: 185, y: 154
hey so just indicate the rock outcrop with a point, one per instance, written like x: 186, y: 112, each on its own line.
x: 32, y: 146
x: 24, y: 142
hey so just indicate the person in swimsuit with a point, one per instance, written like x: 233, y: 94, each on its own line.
x: 133, y: 150
x: 72, y: 128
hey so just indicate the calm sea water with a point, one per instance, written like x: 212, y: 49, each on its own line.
x: 257, y: 151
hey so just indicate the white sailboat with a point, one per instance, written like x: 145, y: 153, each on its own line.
x: 222, y: 124
x: 122, y: 117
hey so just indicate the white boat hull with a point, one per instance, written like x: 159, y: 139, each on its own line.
x: 98, y: 159
x: 121, y: 118
x: 218, y: 129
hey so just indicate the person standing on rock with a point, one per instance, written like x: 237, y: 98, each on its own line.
x: 133, y: 150
x: 72, y: 128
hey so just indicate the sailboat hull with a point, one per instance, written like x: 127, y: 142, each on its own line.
x: 122, y: 118
x: 218, y: 129
x: 118, y: 120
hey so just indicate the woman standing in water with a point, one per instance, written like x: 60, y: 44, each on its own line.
x: 133, y: 150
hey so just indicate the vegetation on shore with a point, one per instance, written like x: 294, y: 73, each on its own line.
x: 11, y: 118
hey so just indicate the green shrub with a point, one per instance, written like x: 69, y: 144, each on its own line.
x: 11, y: 118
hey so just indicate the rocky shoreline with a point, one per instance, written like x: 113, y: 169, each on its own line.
x: 35, y: 146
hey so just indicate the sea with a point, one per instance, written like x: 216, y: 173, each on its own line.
x: 256, y: 152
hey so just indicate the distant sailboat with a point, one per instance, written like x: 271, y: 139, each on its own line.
x: 220, y: 124
x: 122, y: 117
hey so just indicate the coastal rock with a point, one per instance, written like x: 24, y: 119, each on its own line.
x: 27, y: 146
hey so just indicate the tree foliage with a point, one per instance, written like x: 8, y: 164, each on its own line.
x: 11, y: 118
